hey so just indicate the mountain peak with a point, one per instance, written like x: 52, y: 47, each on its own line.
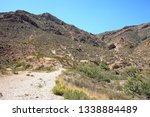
x: 48, y: 16
x: 22, y: 11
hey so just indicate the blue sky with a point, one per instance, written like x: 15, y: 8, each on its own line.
x: 94, y: 16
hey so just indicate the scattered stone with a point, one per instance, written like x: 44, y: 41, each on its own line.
x: 27, y: 74
x: 84, y: 61
x: 26, y: 94
x: 8, y: 69
x: 32, y: 75
x: 111, y: 46
x: 16, y: 73
x: 1, y: 95
x: 116, y: 66
x: 79, y: 49
x: 40, y: 85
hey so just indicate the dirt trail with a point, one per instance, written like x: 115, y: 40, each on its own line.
x: 29, y: 86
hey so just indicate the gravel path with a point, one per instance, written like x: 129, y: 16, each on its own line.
x: 29, y: 86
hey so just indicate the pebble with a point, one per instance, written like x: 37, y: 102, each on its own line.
x: 1, y: 95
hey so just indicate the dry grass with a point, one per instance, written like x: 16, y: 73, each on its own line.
x: 69, y: 92
x: 92, y: 88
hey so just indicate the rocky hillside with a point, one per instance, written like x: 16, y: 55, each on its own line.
x: 23, y: 34
x: 111, y: 65
x: 131, y: 42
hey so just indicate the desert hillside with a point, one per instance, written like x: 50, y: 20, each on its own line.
x: 110, y: 65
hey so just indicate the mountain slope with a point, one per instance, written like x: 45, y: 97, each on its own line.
x: 23, y: 34
x: 111, y: 65
x: 130, y: 42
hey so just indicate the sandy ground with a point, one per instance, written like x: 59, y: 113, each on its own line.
x: 29, y: 86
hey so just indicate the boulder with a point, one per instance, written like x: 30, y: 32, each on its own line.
x: 111, y: 46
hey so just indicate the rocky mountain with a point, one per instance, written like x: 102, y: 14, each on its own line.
x: 131, y: 42
x: 23, y: 34
x: 110, y: 65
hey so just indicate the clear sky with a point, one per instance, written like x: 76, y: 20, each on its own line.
x: 94, y: 16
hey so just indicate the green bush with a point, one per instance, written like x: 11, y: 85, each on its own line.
x: 96, y: 72
x: 75, y: 95
x: 90, y: 71
x: 69, y: 93
x: 104, y: 66
x: 146, y: 88
x: 138, y: 87
x: 108, y: 75
x: 49, y: 68
x: 131, y: 72
x: 58, y: 89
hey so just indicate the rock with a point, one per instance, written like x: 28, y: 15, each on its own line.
x: 32, y: 75
x: 27, y: 74
x: 114, y: 66
x: 26, y: 95
x: 8, y: 69
x: 79, y: 49
x: 16, y: 73
x: 1, y: 95
x: 111, y: 46
x: 84, y: 61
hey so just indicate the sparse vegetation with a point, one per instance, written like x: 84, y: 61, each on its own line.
x: 130, y: 72
x: 75, y: 95
x: 108, y: 60
x: 16, y: 66
x: 23, y: 64
x: 72, y: 80
x: 96, y: 72
x: 58, y: 89
x: 44, y: 68
x: 138, y: 87
x: 104, y: 66
x: 71, y: 94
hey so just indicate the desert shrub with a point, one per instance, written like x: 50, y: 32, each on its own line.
x: 104, y: 66
x: 58, y: 89
x: 28, y: 66
x: 96, y: 72
x: 39, y: 54
x: 40, y: 68
x: 49, y: 68
x: 75, y: 95
x: 17, y: 65
x: 108, y: 75
x: 105, y: 89
x: 90, y: 71
x: 117, y: 96
x: 80, y: 82
x: 44, y: 68
x: 1, y: 66
x: 130, y: 72
x: 138, y: 87
x: 146, y: 88
x: 67, y: 93
x: 3, y: 71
